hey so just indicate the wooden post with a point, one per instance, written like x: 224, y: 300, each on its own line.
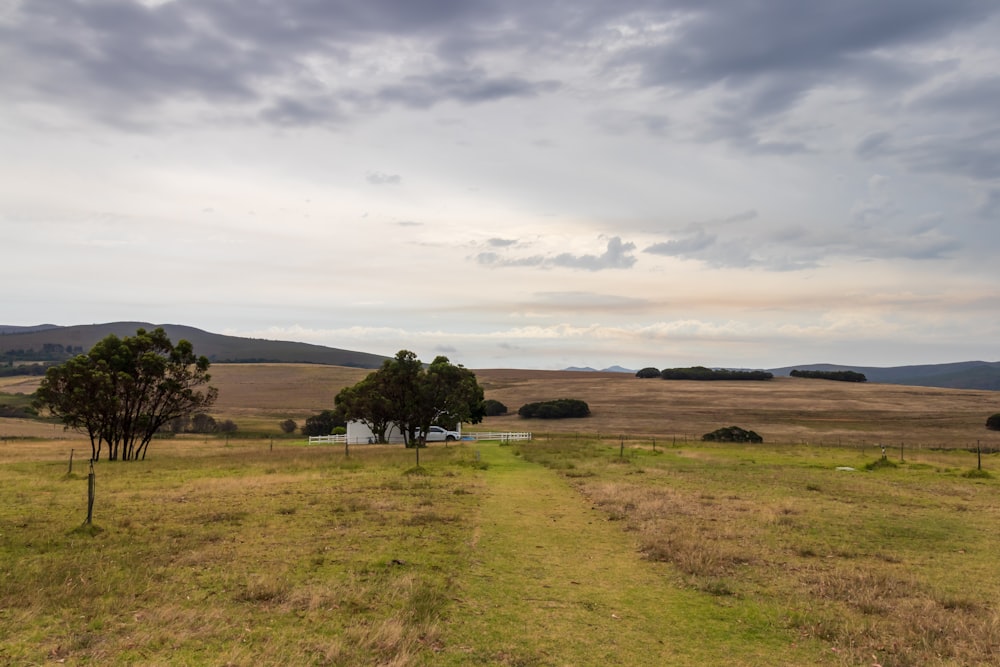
x: 91, y: 491
x: 621, y: 449
x: 654, y: 444
x: 979, y: 457
x: 347, y: 451
x: 70, y: 472
x: 900, y: 452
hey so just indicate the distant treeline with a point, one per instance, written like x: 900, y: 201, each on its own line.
x: 23, y: 369
x: 702, y: 373
x: 49, y: 352
x: 840, y: 376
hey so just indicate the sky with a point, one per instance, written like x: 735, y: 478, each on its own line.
x: 515, y: 183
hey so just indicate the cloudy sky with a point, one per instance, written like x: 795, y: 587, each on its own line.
x: 515, y: 183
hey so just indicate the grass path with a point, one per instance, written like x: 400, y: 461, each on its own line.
x: 552, y: 582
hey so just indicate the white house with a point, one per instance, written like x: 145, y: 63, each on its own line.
x: 358, y: 433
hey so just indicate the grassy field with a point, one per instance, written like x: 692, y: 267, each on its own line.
x: 257, y: 397
x: 617, y: 539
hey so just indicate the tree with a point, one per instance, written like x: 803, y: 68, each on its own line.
x: 126, y: 389
x: 993, y: 422
x: 648, y: 372
x: 366, y: 403
x: 732, y: 434
x: 323, y: 423
x: 413, y: 398
x: 203, y: 423
x: 494, y: 408
x: 840, y: 376
x: 288, y: 426
x: 561, y: 408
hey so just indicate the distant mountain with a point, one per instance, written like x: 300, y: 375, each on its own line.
x: 609, y: 369
x: 8, y: 329
x: 959, y: 375
x: 217, y: 347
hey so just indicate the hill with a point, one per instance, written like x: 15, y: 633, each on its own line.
x: 959, y: 375
x: 217, y: 347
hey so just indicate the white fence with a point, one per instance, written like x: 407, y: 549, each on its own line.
x: 327, y: 439
x: 503, y: 436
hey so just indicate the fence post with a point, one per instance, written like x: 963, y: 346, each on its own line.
x: 91, y: 492
x: 70, y: 472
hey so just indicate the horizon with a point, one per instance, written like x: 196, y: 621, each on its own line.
x: 514, y: 185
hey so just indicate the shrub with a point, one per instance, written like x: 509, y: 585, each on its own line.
x: 289, y: 426
x: 203, y: 423
x: 561, y: 408
x: 840, y: 376
x: 323, y: 423
x: 732, y: 434
x: 993, y: 422
x: 492, y: 408
x: 648, y: 372
x: 702, y: 373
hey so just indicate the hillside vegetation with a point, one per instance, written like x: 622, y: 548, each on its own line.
x: 217, y: 347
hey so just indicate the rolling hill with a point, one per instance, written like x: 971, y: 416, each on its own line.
x: 217, y: 347
x: 959, y: 375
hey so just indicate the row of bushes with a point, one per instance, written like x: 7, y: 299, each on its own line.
x: 840, y: 376
x: 702, y: 373
x: 560, y: 408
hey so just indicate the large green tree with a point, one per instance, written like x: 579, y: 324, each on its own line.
x: 413, y: 398
x: 125, y: 389
x: 367, y: 403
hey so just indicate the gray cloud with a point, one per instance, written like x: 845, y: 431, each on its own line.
x: 688, y: 246
x: 618, y: 255
x: 285, y: 63
x: 380, y: 178
x: 955, y: 150
x: 501, y: 243
x: 467, y: 86
x: 989, y: 205
x: 493, y: 259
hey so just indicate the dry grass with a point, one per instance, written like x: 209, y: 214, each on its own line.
x: 215, y: 554
x: 781, y: 410
x: 789, y: 410
x: 879, y: 565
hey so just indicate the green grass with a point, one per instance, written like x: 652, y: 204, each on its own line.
x: 552, y: 552
x: 236, y: 556
x: 890, y: 566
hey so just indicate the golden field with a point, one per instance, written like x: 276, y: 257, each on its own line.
x: 258, y: 396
